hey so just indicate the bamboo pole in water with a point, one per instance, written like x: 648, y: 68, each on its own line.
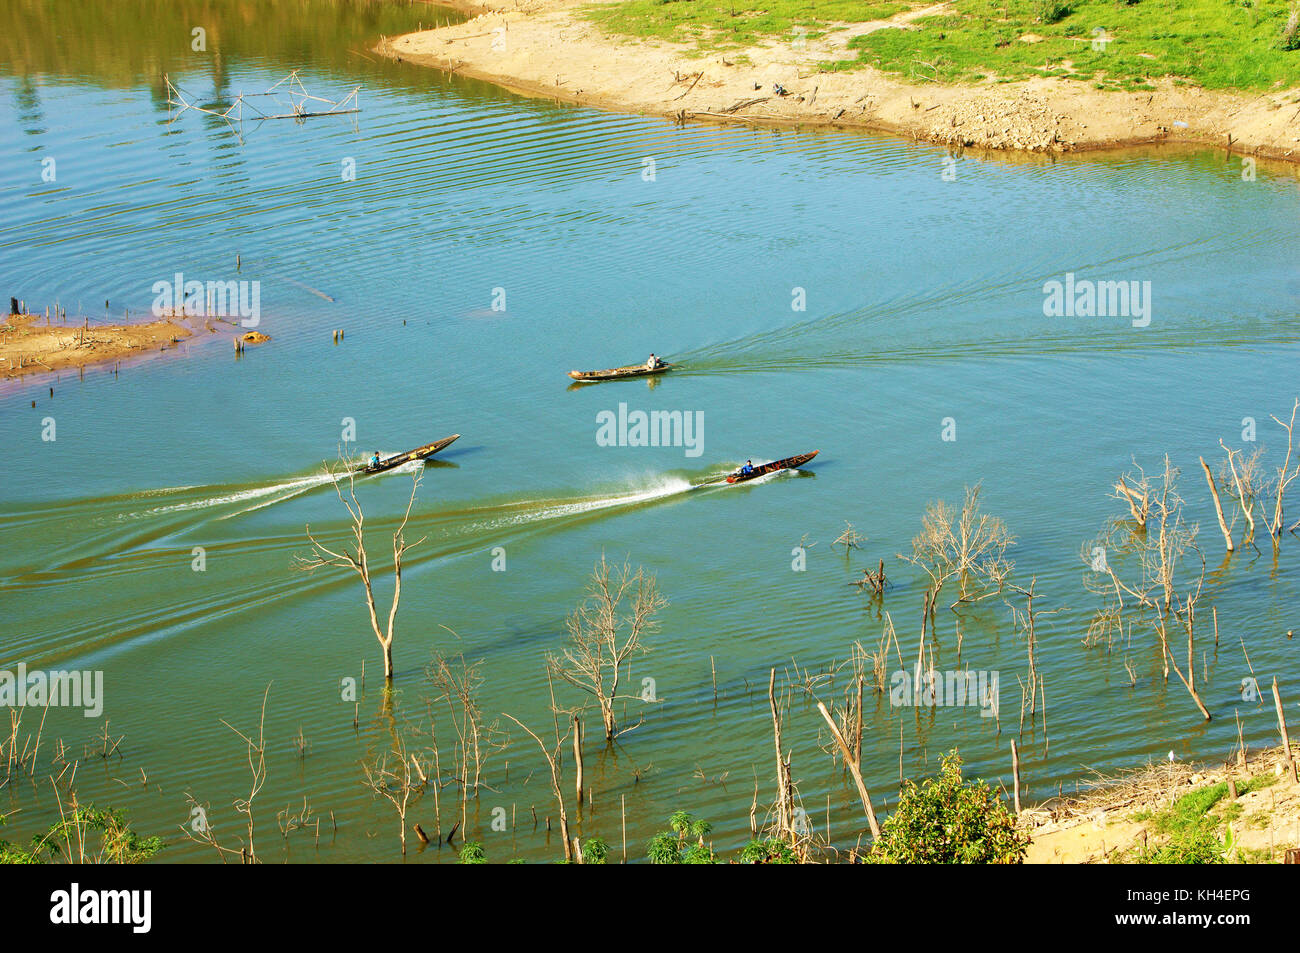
x: 577, y: 756
x: 1015, y: 773
x: 1218, y: 507
x: 857, y: 729
x: 785, y: 803
x: 853, y: 769
x: 1286, y: 740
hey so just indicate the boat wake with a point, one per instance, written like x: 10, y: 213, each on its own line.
x: 257, y: 497
x: 533, y: 511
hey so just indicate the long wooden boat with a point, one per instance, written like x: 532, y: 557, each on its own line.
x: 618, y: 373
x: 789, y: 463
x: 419, y: 453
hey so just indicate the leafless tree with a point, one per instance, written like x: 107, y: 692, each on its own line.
x: 1026, y: 621
x: 1142, y: 568
x: 1285, y: 474
x: 200, y: 829
x: 1156, y: 546
x: 604, y: 634
x: 456, y: 685
x: 554, y: 761
x: 1135, y: 490
x: 1242, y: 479
x: 396, y: 776
x: 965, y: 544
x: 354, y: 557
x: 1185, y: 613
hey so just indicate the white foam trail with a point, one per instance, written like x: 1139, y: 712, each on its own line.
x: 549, y: 509
x: 240, y: 496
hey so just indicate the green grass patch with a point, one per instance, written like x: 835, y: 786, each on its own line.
x: 714, y: 24
x: 1116, y: 44
x: 1218, y: 44
x: 1188, y: 835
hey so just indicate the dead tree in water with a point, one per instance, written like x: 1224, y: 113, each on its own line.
x: 200, y: 828
x: 1141, y: 569
x: 1026, y: 621
x: 603, y: 636
x: 1156, y: 545
x: 785, y: 810
x: 456, y: 684
x: 875, y: 581
x: 849, y: 539
x: 1241, y: 479
x: 397, y: 777
x: 1218, y: 506
x: 1186, y: 614
x: 357, y: 560
x: 1285, y: 475
x: 967, y: 545
x: 1137, y: 496
x: 554, y: 761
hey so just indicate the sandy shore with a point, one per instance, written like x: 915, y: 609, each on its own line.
x: 29, y: 345
x: 544, y: 48
x: 1114, y: 820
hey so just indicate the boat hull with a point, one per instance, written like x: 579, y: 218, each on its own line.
x: 789, y: 463
x: 619, y: 373
x: 419, y: 453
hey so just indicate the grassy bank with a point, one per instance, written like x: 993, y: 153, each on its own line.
x: 1243, y: 813
x: 1217, y: 44
x: 716, y: 24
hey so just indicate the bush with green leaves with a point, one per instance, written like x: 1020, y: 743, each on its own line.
x: 594, y: 851
x: 949, y: 821
x: 1290, y: 39
x: 88, y: 834
x: 675, y: 846
x: 770, y: 851
x: 472, y: 852
x: 1053, y: 11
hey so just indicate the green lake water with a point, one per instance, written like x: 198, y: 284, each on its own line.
x: 924, y: 301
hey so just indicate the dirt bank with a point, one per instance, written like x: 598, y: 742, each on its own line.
x: 545, y: 48
x: 30, y: 345
x: 1129, y: 819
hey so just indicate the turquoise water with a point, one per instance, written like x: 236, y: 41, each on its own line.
x: 924, y: 301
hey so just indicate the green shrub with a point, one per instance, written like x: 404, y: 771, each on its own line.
x: 770, y: 851
x: 471, y: 852
x: 594, y: 851
x: 948, y: 821
x: 116, y: 843
x: 1053, y: 11
x: 672, y: 847
x: 1290, y: 39
x: 1192, y: 836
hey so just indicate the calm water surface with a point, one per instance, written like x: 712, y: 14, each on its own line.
x: 923, y: 302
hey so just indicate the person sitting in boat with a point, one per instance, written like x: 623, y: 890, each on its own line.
x: 748, y: 468
x: 653, y: 363
x: 374, y: 460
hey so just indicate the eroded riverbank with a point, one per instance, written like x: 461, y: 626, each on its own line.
x: 547, y: 48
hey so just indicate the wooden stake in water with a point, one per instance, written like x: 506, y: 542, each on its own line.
x: 1015, y: 773
x: 577, y: 756
x: 1287, y: 759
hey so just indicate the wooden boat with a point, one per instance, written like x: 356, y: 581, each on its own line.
x: 789, y: 463
x: 419, y: 453
x: 618, y: 373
